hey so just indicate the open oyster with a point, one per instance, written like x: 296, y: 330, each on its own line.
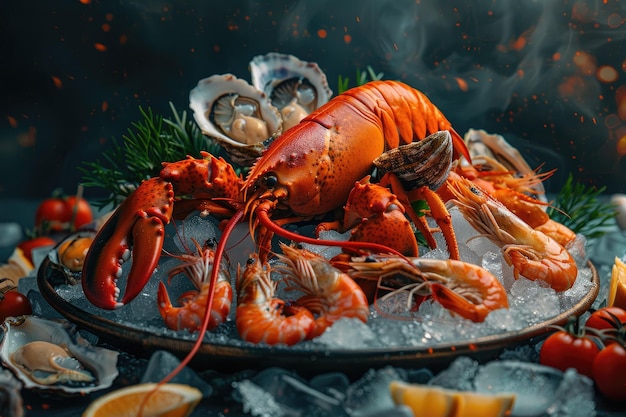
x: 294, y: 87
x: 51, y: 355
x: 69, y: 254
x: 236, y: 114
x: 483, y: 145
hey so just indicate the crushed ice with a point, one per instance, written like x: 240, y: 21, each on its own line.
x: 531, y: 302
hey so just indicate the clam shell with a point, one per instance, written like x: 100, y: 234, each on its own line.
x: 221, y: 100
x: 100, y: 362
x: 295, y: 87
x: 424, y: 162
x: 70, y: 266
x: 480, y: 144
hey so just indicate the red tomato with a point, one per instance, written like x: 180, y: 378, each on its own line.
x: 562, y: 350
x: 55, y: 214
x: 27, y: 246
x: 13, y: 304
x: 608, y: 372
x: 601, y: 319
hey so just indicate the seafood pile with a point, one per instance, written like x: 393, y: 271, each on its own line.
x: 379, y: 163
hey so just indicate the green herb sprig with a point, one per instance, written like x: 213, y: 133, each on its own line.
x: 362, y: 77
x: 148, y: 142
x: 578, y: 207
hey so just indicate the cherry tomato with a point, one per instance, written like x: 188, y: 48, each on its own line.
x: 13, y: 304
x: 27, y: 246
x: 569, y: 348
x: 602, y: 319
x: 608, y: 371
x: 55, y: 214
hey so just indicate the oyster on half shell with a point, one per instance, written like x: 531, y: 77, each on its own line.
x: 69, y: 254
x: 50, y: 355
x: 295, y: 87
x: 236, y: 114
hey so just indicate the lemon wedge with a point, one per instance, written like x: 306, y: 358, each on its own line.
x: 169, y: 400
x: 425, y: 400
x: 617, y: 285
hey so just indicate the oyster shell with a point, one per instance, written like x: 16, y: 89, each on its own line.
x: 52, y: 356
x: 235, y: 114
x: 424, y: 162
x: 482, y: 144
x: 294, y: 87
x: 69, y: 254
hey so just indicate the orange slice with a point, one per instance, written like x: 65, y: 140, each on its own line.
x: 425, y: 400
x: 617, y: 286
x: 170, y: 400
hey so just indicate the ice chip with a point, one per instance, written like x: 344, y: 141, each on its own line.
x: 256, y: 401
x: 347, y: 333
x: 574, y: 397
x: 459, y: 375
x: 162, y: 363
x: 370, y: 394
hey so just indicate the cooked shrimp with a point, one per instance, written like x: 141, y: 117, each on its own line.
x: 329, y: 293
x: 464, y: 288
x: 532, y: 254
x: 194, y: 303
x: 260, y: 316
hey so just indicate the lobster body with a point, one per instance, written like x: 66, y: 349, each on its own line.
x: 307, y: 171
x: 313, y: 166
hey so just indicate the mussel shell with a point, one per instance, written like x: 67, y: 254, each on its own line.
x: 102, y: 363
x: 57, y: 259
x: 219, y: 92
x: 421, y: 163
x: 284, y: 78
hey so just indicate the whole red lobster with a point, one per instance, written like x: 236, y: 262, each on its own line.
x: 307, y: 171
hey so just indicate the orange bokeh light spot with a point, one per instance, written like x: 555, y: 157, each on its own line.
x: 322, y: 33
x: 347, y: 38
x: 100, y: 47
x: 607, y: 74
x: 462, y: 84
x: 621, y: 146
x: 57, y: 82
x: 12, y: 121
x: 85, y: 1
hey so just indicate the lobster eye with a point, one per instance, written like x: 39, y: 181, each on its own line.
x: 271, y: 180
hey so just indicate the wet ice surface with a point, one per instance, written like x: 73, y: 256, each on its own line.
x: 389, y: 325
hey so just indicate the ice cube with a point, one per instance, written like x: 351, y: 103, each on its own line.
x: 370, y: 394
x: 534, y: 385
x: 162, y: 363
x: 459, y: 375
x: 574, y: 397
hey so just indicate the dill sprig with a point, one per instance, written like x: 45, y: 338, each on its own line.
x: 362, y: 77
x: 148, y: 142
x: 577, y: 207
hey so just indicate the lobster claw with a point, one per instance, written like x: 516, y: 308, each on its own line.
x: 138, y: 224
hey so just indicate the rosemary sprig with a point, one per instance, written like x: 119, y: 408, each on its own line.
x: 147, y: 144
x: 362, y: 77
x: 577, y: 207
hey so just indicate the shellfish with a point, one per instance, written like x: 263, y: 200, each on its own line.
x: 51, y: 355
x: 295, y: 87
x: 482, y: 144
x: 69, y: 254
x: 236, y: 114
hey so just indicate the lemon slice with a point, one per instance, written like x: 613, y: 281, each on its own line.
x: 170, y: 400
x: 617, y: 286
x: 440, y: 402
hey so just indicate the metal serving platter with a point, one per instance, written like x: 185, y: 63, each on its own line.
x: 225, y: 357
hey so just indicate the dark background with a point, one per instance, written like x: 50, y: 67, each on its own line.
x: 74, y: 72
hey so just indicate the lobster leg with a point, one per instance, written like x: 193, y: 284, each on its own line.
x: 138, y: 224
